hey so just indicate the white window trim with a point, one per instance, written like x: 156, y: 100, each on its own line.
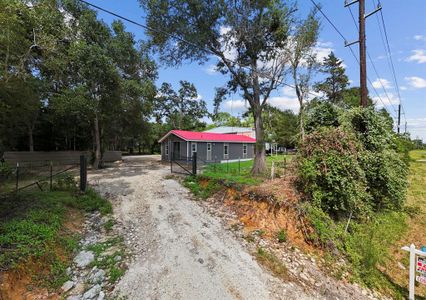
x: 245, y: 150
x: 166, y: 148
x: 225, y: 155
x: 193, y: 150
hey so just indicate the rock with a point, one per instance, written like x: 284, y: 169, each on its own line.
x: 117, y: 258
x: 401, y: 266
x: 97, y: 276
x: 84, y: 258
x: 92, y: 293
x: 67, y: 286
x: 101, y: 296
x: 74, y: 297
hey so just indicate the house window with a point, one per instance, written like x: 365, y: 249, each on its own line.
x: 244, y: 150
x: 193, y: 148
x: 225, y: 151
x: 167, y: 149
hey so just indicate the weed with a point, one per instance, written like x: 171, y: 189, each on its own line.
x: 109, y: 224
x: 273, y: 263
x: 115, y: 274
x: 282, y: 236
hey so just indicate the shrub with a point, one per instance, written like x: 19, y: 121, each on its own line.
x: 322, y: 114
x: 329, y: 172
x: 354, y: 167
x: 282, y: 236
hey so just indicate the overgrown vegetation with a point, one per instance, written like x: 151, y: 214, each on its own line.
x: 353, y: 172
x: 34, y: 236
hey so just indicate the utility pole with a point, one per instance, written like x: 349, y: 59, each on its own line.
x: 399, y: 119
x: 362, y: 55
x: 362, y: 48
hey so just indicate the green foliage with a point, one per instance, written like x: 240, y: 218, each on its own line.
x: 282, y: 236
x: 201, y: 186
x: 367, y: 244
x: 321, y: 114
x: 64, y: 182
x: 330, y: 174
x: 31, y: 228
x: 269, y: 260
x: 5, y: 170
x: 90, y: 202
x: 352, y: 167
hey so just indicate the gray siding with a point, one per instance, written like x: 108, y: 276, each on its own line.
x: 235, y: 150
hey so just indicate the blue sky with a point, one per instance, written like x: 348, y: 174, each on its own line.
x: 406, y: 27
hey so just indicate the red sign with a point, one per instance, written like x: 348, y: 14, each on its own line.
x: 421, y: 265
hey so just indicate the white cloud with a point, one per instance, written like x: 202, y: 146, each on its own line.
x: 418, y: 56
x: 199, y: 97
x: 211, y: 70
x: 416, y: 82
x: 235, y: 104
x: 285, y: 102
x: 381, y: 82
x: 322, y: 50
x: 403, y: 88
x: 383, y: 100
x: 420, y: 37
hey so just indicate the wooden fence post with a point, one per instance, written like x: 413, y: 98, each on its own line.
x: 17, y: 177
x: 194, y: 163
x: 83, y: 173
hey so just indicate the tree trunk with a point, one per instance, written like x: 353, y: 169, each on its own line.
x: 301, y: 111
x: 98, y: 143
x: 259, y: 165
x: 30, y: 139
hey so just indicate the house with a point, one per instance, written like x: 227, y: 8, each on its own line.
x: 234, y: 130
x: 210, y: 147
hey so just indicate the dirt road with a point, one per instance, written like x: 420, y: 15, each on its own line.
x: 181, y: 251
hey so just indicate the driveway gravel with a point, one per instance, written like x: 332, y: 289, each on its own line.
x: 180, y: 250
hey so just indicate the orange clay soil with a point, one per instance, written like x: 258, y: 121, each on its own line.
x: 20, y: 282
x: 271, y: 207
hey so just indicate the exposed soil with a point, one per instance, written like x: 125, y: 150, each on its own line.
x: 181, y: 251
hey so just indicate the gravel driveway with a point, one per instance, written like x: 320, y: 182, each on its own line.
x: 181, y: 251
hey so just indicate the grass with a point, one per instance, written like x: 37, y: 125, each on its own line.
x: 35, y: 235
x: 273, y: 263
x: 239, y: 172
x: 373, y: 248
x: 235, y: 174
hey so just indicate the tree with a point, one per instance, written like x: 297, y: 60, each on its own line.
x: 351, y: 96
x: 281, y: 126
x: 225, y: 119
x: 303, y: 61
x: 182, y: 109
x: 337, y: 81
x: 247, y: 37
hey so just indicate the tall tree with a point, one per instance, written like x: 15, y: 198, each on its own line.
x: 247, y: 37
x: 182, y: 109
x: 303, y: 62
x: 281, y: 126
x: 336, y: 82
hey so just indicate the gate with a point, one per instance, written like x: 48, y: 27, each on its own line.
x: 183, y: 164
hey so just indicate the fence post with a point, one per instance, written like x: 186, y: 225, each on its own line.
x: 51, y: 175
x: 412, y: 269
x: 239, y: 166
x: 194, y: 163
x: 83, y: 173
x: 272, y: 170
x: 17, y: 177
x: 227, y: 165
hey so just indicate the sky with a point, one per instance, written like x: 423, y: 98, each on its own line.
x: 406, y: 28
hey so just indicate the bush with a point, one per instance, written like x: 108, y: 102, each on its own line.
x: 329, y: 172
x: 354, y: 167
x: 322, y: 114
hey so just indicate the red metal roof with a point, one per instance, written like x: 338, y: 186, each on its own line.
x: 209, y: 137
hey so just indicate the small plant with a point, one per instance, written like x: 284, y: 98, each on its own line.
x: 282, y: 236
x: 269, y: 260
x: 115, y: 274
x: 109, y: 224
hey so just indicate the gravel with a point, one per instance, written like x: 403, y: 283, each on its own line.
x: 180, y: 250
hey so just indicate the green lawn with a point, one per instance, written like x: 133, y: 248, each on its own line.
x: 239, y: 172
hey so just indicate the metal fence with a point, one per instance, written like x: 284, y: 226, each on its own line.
x: 42, y: 175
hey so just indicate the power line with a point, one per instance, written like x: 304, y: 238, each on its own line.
x: 350, y: 48
x: 374, y: 68
x: 187, y: 42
